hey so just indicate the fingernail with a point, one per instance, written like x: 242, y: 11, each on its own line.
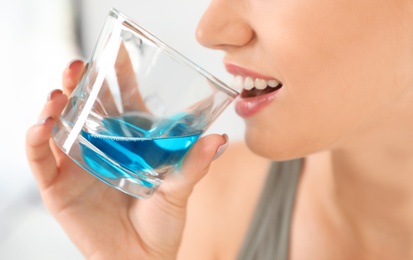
x: 43, y: 120
x: 222, y: 148
x: 72, y: 64
x: 52, y: 93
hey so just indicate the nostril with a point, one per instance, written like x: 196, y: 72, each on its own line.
x: 231, y: 35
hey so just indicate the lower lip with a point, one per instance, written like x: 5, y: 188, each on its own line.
x: 247, y: 107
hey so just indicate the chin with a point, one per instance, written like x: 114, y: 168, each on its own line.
x: 277, y: 148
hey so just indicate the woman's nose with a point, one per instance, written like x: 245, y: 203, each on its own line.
x: 224, y: 25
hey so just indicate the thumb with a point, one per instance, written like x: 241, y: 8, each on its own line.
x: 179, y: 185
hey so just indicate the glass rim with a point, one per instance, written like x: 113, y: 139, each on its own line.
x: 128, y: 22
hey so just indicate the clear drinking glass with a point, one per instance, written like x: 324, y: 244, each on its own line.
x: 138, y: 109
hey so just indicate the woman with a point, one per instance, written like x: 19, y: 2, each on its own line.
x: 343, y: 102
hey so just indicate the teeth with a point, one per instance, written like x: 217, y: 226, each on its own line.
x: 249, y: 83
x: 260, y: 84
x: 273, y: 83
x: 238, y: 83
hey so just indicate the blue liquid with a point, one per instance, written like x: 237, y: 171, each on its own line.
x: 142, y: 145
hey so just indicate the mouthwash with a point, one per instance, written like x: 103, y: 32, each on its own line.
x: 136, y: 145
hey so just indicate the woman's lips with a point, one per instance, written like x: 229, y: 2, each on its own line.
x: 257, y: 90
x: 248, y: 106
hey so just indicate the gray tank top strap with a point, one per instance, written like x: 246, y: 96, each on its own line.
x: 269, y: 233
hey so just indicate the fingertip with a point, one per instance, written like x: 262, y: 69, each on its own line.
x: 221, y: 149
x: 54, y: 93
x: 72, y: 74
x: 43, y: 121
x: 75, y: 65
x: 40, y: 132
x: 54, y: 106
x: 204, y: 151
x: 56, y: 96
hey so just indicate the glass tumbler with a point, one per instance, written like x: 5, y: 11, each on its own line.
x: 138, y: 109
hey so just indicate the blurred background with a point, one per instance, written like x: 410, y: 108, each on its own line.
x: 38, y: 39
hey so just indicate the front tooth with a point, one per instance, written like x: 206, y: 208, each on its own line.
x: 273, y: 83
x: 238, y: 82
x: 249, y: 83
x: 260, y: 84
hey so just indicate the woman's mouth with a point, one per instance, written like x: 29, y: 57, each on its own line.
x: 255, y: 95
x: 257, y: 90
x: 252, y: 87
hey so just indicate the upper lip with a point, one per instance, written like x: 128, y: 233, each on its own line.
x: 237, y: 70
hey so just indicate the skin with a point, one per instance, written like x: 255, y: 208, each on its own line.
x: 346, y: 106
x: 318, y: 50
x: 347, y: 99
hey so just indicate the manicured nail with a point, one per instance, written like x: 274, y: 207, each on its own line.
x: 72, y: 64
x: 52, y: 93
x: 222, y: 148
x: 43, y: 120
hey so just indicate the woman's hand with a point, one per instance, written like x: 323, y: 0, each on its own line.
x: 103, y: 222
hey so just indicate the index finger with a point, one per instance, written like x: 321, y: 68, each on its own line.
x: 71, y: 76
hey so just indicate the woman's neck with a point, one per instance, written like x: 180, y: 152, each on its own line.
x: 371, y: 186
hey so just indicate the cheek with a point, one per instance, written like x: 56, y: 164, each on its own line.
x: 336, y: 80
x: 341, y: 50
x: 338, y: 66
